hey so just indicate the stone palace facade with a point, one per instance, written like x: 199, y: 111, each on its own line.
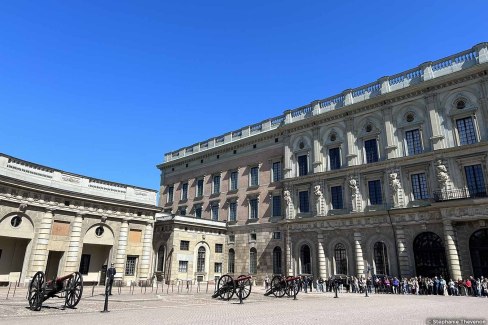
x: 390, y: 176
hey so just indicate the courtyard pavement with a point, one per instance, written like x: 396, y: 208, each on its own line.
x: 191, y: 307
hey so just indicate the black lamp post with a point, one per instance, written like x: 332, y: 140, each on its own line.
x: 367, y: 276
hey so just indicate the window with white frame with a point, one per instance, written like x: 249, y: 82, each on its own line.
x: 371, y: 150
x: 216, y: 184
x: 130, y: 265
x: 218, y: 267
x: 276, y: 206
x: 302, y: 165
x: 232, y: 211
x: 304, y: 202
x: 254, y: 176
x: 184, y: 191
x: 253, y: 208
x: 375, y: 197
x: 215, y: 211
x: 336, y: 197
x: 335, y: 158
x: 475, y: 181
x: 183, y: 266
x: 277, y: 235
x: 414, y: 142
x: 276, y: 170
x: 233, y: 180
x: 169, y: 197
x: 201, y: 259
x: 419, y: 186
x: 466, y: 131
x: 199, y: 188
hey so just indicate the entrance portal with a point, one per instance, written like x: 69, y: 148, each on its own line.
x: 12, y: 253
x: 430, y: 255
x: 52, y: 267
x: 93, y: 260
x: 478, y: 247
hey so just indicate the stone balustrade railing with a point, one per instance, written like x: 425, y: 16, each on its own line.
x: 426, y: 71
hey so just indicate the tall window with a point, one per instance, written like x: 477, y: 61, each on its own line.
x: 253, y: 261
x: 199, y: 187
x: 253, y: 208
x: 254, y: 176
x: 305, y: 260
x: 215, y: 212
x: 276, y: 206
x: 419, y: 186
x: 130, y: 265
x: 276, y: 171
x: 232, y: 258
x: 85, y: 263
x: 216, y: 184
x: 414, y: 145
x: 336, y: 197
x: 381, y: 258
x: 232, y: 211
x: 304, y: 203
x: 171, y: 190
x: 375, y: 197
x: 184, y: 191
x: 201, y: 260
x: 466, y: 131
x: 277, y: 261
x: 340, y: 259
x: 183, y: 266
x: 161, y: 259
x: 198, y: 212
x: 335, y: 158
x: 371, y: 151
x: 233, y: 180
x: 302, y: 165
x: 475, y: 180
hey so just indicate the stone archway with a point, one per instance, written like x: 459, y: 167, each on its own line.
x: 430, y: 255
x: 478, y: 248
x: 305, y: 259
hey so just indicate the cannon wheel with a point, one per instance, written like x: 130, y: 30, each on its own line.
x: 245, y: 286
x: 291, y: 287
x: 74, y: 290
x: 226, y: 287
x: 36, y: 291
x: 278, y: 286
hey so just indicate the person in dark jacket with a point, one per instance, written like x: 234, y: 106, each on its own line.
x: 110, y: 277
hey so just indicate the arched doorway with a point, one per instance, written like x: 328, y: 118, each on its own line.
x: 305, y: 260
x: 160, y: 264
x: 478, y: 247
x: 430, y: 255
x: 340, y: 256
x: 381, y: 258
x: 277, y: 261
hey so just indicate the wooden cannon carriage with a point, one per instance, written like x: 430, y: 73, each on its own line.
x: 69, y: 287
x: 281, y: 285
x: 227, y: 287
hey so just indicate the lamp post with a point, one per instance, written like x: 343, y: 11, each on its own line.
x: 366, y: 283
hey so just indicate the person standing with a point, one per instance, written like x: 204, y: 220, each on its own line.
x: 110, y: 277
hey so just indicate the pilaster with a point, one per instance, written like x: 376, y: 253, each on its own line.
x: 435, y: 124
x: 121, y: 249
x: 359, y: 254
x: 321, y: 251
x: 403, y: 258
x: 390, y: 130
x: 73, y: 256
x: 451, y: 250
x: 146, y: 253
x: 40, y: 254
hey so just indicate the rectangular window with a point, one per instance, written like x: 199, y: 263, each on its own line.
x: 183, y: 211
x: 200, y: 187
x: 276, y: 171
x: 304, y: 204
x: 254, y: 174
x: 302, y: 165
x: 218, y: 268
x: 130, y: 265
x: 277, y: 235
x: 419, y: 186
x: 375, y: 197
x: 216, y: 184
x: 466, y: 131
x: 183, y: 266
x: 233, y: 181
x: 335, y: 158
x: 232, y: 211
x: 219, y: 248
x: 85, y: 263
x: 253, y: 208
x: 215, y: 212
x: 276, y: 206
x: 414, y: 145
x: 198, y: 212
x: 232, y: 238
x: 371, y: 150
x: 184, y: 245
x: 475, y: 180
x: 171, y: 190
x: 253, y: 236
x: 184, y: 191
x: 336, y: 197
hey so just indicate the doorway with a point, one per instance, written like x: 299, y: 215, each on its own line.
x: 52, y: 267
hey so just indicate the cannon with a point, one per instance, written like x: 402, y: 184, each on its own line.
x: 281, y: 285
x: 40, y: 290
x: 227, y: 287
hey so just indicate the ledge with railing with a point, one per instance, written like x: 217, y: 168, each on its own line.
x: 461, y: 193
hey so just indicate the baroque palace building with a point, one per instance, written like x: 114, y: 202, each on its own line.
x: 390, y: 176
x: 59, y: 222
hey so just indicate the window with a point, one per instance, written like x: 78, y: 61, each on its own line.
x: 216, y: 184
x: 336, y: 197
x: 375, y: 192
x: 304, y: 205
x: 371, y: 151
x: 233, y: 180
x: 171, y: 189
x: 232, y: 258
x: 215, y: 212
x: 232, y: 238
x: 414, y: 144
x: 183, y: 211
x: 381, y: 258
x: 201, y: 260
x: 184, y: 245
x: 198, y: 212
x: 253, y: 261
x: 302, y: 165
x: 183, y: 266
x: 277, y: 235
x: 253, y: 236
x: 184, y: 191
x: 277, y: 261
x: 335, y: 158
x: 199, y: 187
x: 233, y: 211
x: 218, y: 268
x: 475, y: 180
x: 340, y: 259
x: 254, y: 176
x: 130, y: 265
x: 466, y: 131
x: 219, y: 248
x: 17, y: 220
x: 160, y: 267
x: 276, y: 171
x: 276, y: 206
x: 253, y: 208
x: 419, y: 186
x: 85, y: 263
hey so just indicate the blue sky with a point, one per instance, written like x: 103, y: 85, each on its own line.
x: 105, y: 88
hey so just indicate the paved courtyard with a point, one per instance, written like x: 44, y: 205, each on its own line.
x: 199, y: 308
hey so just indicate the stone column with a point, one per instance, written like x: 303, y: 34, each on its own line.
x: 317, y: 156
x: 451, y: 250
x: 72, y: 258
x: 402, y: 258
x: 359, y: 254
x: 145, y: 260
x: 321, y: 251
x: 40, y: 252
x: 121, y: 249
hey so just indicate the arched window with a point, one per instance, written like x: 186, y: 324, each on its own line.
x: 381, y: 258
x: 305, y: 260
x: 340, y: 259
x: 160, y: 267
x: 277, y: 260
x: 478, y: 247
x: 201, y: 259
x: 430, y: 255
x: 232, y: 259
x: 253, y: 261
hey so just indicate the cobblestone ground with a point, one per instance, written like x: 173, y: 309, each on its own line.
x: 190, y: 307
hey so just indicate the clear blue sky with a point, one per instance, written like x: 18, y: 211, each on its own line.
x: 105, y: 88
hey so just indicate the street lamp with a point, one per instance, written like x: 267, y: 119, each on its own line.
x: 367, y: 276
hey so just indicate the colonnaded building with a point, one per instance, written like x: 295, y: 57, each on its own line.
x: 59, y: 222
x: 390, y: 175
